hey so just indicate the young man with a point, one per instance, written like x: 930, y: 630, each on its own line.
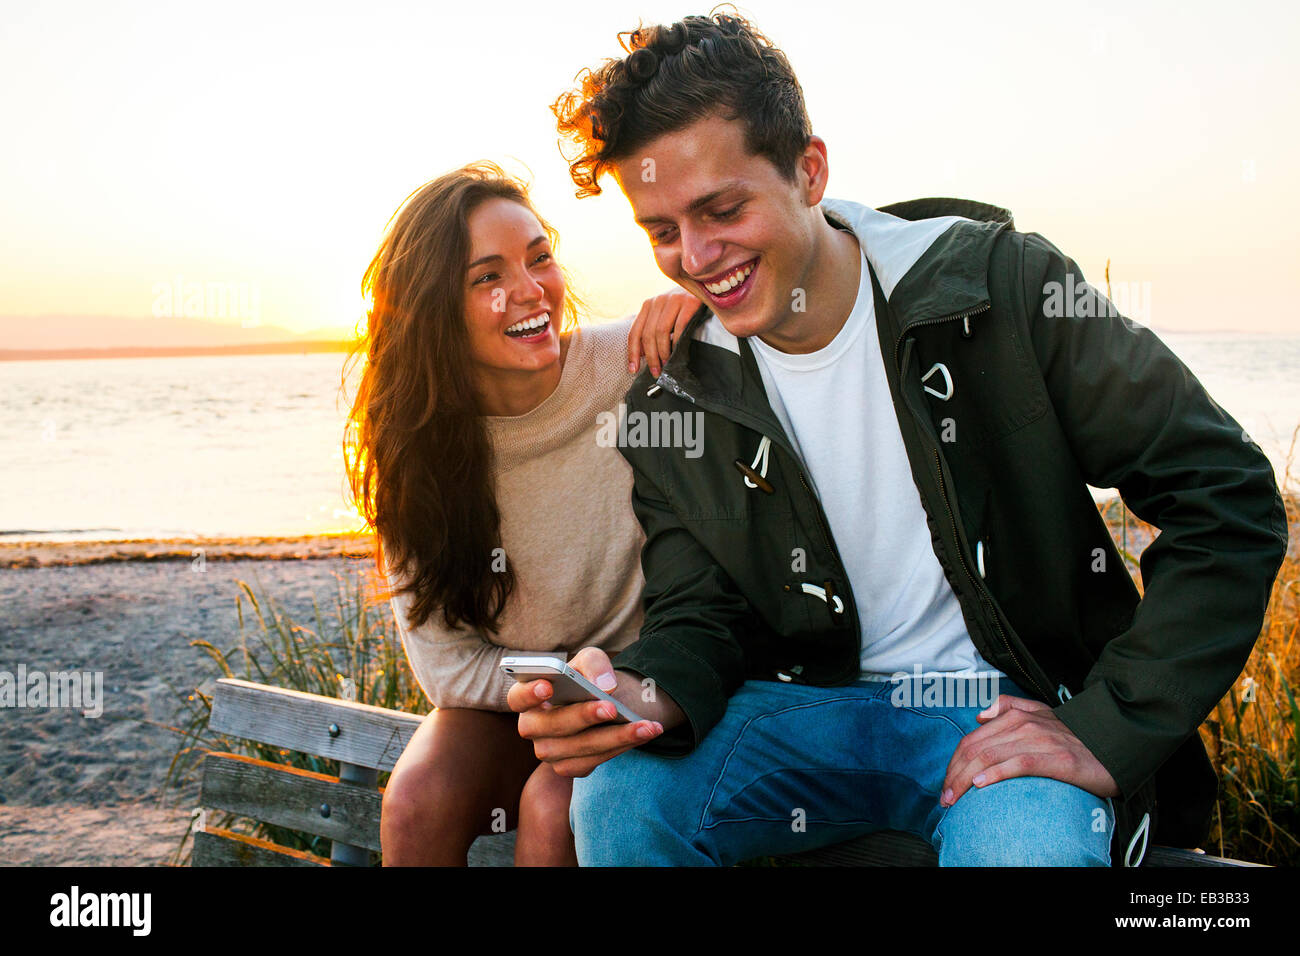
x: 902, y: 411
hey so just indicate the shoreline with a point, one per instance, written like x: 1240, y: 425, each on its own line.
x: 45, y: 554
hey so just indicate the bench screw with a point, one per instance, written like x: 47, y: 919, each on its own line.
x: 325, y: 809
x: 334, y: 730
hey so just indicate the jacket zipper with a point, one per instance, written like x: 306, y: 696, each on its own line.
x: 832, y: 551
x: 952, y: 519
x: 821, y: 520
x: 943, y: 493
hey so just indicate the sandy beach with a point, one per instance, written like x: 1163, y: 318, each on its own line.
x: 88, y: 791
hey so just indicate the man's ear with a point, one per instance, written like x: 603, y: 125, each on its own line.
x: 814, y: 170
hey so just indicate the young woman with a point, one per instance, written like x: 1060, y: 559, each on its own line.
x: 502, y: 525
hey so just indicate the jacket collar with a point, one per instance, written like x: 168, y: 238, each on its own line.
x: 949, y: 278
x: 951, y: 275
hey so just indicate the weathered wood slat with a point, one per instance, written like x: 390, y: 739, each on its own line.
x: 1171, y: 856
x: 367, y: 736
x: 886, y: 848
x: 293, y: 798
x: 217, y: 847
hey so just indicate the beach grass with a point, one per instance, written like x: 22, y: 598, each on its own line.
x: 1253, y: 734
x: 354, y: 653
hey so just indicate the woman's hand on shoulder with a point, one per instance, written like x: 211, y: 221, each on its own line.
x: 657, y: 328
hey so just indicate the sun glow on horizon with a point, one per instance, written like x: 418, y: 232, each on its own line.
x: 267, y: 150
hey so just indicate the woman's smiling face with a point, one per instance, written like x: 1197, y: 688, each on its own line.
x: 514, y: 291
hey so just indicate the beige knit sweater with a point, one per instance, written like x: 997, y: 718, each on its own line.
x: 567, y: 529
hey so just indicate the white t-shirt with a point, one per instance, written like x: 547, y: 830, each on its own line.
x: 836, y: 407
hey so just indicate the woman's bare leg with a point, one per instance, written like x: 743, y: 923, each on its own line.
x: 461, y: 773
x: 544, y: 837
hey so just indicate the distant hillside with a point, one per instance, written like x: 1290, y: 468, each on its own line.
x: 22, y: 334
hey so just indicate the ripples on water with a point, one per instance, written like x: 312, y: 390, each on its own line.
x: 249, y: 445
x: 201, y: 445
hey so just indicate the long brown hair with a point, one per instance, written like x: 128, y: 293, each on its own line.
x: 418, y: 456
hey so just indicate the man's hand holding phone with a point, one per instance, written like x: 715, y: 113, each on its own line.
x: 576, y: 738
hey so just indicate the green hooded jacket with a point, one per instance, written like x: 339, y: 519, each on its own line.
x: 1048, y: 390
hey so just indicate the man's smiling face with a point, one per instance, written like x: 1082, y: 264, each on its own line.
x: 725, y: 224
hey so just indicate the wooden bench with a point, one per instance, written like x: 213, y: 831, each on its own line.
x: 345, y: 809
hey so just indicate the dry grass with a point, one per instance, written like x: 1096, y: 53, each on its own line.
x: 1253, y: 734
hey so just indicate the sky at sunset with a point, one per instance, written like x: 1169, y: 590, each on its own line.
x: 263, y: 146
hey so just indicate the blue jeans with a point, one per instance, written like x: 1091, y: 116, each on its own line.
x: 792, y: 767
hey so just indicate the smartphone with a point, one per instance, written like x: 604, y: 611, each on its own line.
x: 568, y: 685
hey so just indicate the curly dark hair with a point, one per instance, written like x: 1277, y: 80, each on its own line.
x: 673, y: 76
